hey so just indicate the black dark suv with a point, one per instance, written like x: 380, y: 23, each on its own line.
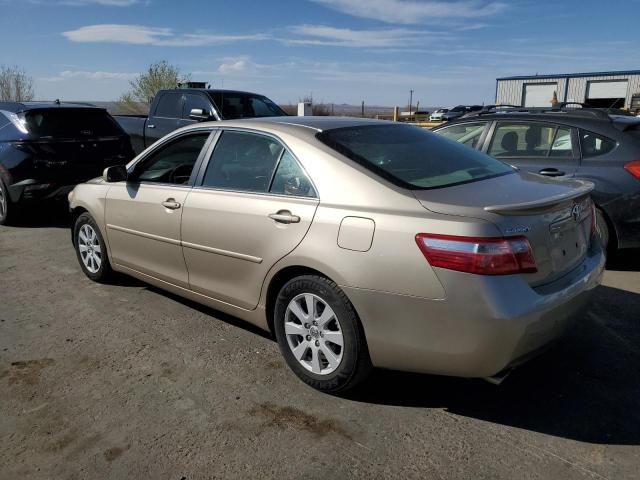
x: 48, y: 148
x: 587, y: 143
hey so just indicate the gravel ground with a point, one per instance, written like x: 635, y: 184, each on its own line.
x: 125, y: 381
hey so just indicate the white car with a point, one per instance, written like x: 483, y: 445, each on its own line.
x: 437, y: 115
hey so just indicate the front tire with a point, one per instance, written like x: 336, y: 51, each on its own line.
x: 319, y: 334
x: 91, y: 249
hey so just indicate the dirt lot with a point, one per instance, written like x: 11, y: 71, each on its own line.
x: 125, y: 381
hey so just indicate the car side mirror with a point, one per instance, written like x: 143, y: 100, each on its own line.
x: 117, y: 173
x: 198, y: 114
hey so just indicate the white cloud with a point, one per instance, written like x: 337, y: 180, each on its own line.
x: 413, y: 11
x: 157, y: 36
x: 106, y: 3
x: 88, y: 75
x: 346, y: 37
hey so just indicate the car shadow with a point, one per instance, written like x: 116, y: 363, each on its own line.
x: 586, y: 388
x: 48, y: 215
x: 627, y: 260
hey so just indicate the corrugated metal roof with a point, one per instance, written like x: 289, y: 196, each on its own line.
x: 573, y: 75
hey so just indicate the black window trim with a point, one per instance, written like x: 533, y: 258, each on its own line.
x: 354, y: 157
x: 164, y: 142
x: 199, y: 180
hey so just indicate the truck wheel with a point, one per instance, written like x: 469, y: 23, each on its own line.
x: 319, y: 334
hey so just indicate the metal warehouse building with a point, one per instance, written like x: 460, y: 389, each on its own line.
x: 600, y: 89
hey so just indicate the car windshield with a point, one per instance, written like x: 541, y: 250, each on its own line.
x: 234, y: 105
x: 413, y: 157
x: 71, y: 123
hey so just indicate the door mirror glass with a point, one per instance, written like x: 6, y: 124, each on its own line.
x: 117, y: 173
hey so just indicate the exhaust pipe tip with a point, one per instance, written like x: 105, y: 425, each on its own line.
x: 499, y: 377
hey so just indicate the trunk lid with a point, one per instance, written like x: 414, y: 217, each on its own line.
x: 554, y: 215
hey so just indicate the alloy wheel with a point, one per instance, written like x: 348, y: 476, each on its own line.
x: 89, y: 248
x: 314, y: 334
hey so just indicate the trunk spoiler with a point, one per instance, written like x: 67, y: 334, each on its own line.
x: 583, y: 188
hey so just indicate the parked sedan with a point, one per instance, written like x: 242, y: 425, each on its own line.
x: 437, y: 115
x: 48, y: 148
x: 358, y: 243
x: 588, y: 144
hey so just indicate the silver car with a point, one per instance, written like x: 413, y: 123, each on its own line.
x: 358, y: 243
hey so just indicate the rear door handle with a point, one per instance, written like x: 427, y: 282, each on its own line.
x: 551, y: 172
x: 284, y: 216
x: 171, y: 204
x: 151, y: 126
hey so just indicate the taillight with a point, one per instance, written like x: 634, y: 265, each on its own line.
x: 482, y: 256
x: 633, y: 168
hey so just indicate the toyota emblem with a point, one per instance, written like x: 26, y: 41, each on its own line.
x: 576, y: 211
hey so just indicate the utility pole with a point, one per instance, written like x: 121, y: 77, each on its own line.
x: 410, y: 101
x: 362, y: 108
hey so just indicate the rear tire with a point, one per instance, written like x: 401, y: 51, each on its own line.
x: 8, y: 209
x: 602, y: 228
x: 91, y: 249
x: 320, y: 335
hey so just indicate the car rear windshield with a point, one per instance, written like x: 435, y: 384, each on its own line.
x: 413, y: 157
x: 71, y: 123
x: 234, y: 105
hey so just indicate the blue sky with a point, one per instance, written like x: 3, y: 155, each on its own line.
x: 341, y: 51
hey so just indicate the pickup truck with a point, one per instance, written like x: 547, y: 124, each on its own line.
x: 172, y: 109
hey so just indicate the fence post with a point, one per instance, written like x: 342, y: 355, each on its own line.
x: 396, y: 113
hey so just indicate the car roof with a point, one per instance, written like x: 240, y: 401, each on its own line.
x: 309, y: 123
x: 584, y: 118
x: 15, y: 107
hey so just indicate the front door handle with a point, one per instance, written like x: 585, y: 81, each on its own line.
x: 171, y: 204
x: 151, y: 126
x: 551, y: 172
x: 284, y: 216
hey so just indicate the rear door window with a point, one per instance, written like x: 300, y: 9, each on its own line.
x: 593, y: 144
x: 468, y: 134
x: 71, y: 123
x: 243, y: 161
x: 169, y: 105
x: 290, y: 179
x: 527, y: 140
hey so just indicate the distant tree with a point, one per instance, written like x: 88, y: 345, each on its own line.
x: 158, y: 76
x: 15, y: 85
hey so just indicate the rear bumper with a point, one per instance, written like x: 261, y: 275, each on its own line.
x: 483, y: 326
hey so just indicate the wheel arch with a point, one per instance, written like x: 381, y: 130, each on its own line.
x: 282, y: 276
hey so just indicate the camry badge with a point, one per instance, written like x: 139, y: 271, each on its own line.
x: 518, y: 229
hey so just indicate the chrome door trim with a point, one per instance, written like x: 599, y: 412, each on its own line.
x: 226, y: 253
x: 144, y: 235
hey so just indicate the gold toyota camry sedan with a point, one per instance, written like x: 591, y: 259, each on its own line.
x: 358, y: 243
